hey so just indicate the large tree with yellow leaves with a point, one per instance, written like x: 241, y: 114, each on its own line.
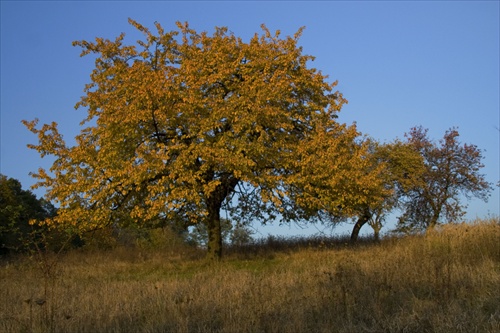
x: 182, y: 123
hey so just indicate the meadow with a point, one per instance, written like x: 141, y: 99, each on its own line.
x: 445, y: 281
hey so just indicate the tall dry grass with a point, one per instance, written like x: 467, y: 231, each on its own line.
x: 445, y: 281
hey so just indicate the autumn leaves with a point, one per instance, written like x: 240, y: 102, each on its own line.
x: 182, y: 118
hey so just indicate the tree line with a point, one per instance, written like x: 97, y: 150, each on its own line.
x: 182, y: 125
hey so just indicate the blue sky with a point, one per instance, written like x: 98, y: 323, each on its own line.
x: 399, y: 63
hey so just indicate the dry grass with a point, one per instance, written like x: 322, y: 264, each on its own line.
x: 446, y: 281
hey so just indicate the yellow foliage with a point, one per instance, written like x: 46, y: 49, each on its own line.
x: 178, y: 120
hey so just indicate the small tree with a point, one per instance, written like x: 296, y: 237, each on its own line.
x: 232, y: 234
x: 397, y: 167
x: 17, y: 208
x: 241, y: 235
x: 377, y: 222
x: 184, y: 122
x: 451, y: 171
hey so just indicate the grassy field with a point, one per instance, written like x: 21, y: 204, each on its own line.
x: 445, y: 281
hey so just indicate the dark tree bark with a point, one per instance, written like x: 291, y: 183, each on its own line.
x: 214, y: 204
x: 362, y: 220
x: 376, y: 233
x: 214, y: 231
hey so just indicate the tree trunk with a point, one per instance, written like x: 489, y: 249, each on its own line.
x: 376, y: 234
x: 434, y: 219
x: 357, y: 227
x: 214, y: 232
x: 214, y: 204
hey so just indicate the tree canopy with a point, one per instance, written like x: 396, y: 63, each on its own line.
x: 451, y: 170
x: 17, y: 208
x: 426, y: 181
x: 183, y: 123
x: 399, y: 167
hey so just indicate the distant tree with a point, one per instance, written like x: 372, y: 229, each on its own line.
x: 185, y: 122
x: 451, y: 171
x: 232, y: 234
x: 241, y: 235
x: 17, y: 208
x: 377, y: 222
x: 397, y: 167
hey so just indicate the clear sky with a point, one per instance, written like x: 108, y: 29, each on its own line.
x: 399, y: 63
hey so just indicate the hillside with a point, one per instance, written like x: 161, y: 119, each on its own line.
x: 445, y: 281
